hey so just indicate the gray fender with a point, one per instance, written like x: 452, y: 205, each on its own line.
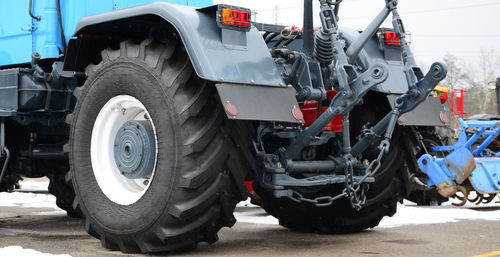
x: 246, y: 62
x: 428, y: 113
x: 396, y: 82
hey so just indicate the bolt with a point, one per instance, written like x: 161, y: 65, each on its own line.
x: 146, y: 182
x: 221, y: 78
x: 366, y: 81
x: 281, y: 83
x: 377, y: 73
x: 437, y: 71
x: 252, y: 81
x: 424, y: 161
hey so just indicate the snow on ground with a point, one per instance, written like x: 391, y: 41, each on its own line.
x: 34, y: 185
x: 410, y: 214
x: 407, y: 214
x: 18, y: 251
x: 250, y: 213
x: 46, y: 202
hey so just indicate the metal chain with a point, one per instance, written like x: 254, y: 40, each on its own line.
x: 354, y: 190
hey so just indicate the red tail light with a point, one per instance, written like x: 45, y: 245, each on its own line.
x: 231, y: 17
x: 391, y: 39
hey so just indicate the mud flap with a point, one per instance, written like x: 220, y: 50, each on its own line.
x: 429, y: 113
x: 249, y: 102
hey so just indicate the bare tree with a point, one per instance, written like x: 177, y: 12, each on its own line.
x: 482, y: 95
x: 456, y: 77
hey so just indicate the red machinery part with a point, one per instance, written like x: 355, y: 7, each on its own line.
x: 459, y: 98
x: 310, y: 111
x: 249, y: 185
x: 443, y: 96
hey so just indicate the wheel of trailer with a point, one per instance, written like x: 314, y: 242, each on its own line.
x: 149, y: 153
x: 382, y: 196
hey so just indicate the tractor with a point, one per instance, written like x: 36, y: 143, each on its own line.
x: 148, y: 117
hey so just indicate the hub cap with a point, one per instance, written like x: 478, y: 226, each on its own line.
x: 124, y: 149
x: 135, y: 149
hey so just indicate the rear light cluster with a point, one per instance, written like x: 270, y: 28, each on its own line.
x: 231, y: 17
x: 391, y: 39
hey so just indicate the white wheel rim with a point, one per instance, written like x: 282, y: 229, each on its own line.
x: 116, y: 112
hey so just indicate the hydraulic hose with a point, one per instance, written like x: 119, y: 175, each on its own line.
x: 38, y: 18
x: 6, y: 163
x: 59, y: 17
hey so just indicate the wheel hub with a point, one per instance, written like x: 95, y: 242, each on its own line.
x: 135, y: 149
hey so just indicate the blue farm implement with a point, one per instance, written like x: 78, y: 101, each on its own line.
x: 471, y: 164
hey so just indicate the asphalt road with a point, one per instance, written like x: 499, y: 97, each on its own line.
x: 58, y: 234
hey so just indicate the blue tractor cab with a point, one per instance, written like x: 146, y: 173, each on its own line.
x: 33, y: 26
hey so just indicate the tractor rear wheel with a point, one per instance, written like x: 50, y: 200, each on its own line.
x: 382, y: 196
x: 149, y: 154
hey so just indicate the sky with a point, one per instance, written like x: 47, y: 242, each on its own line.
x: 437, y: 27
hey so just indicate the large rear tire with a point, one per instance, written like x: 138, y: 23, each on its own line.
x: 193, y: 188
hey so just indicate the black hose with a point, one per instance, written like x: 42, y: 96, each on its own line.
x: 278, y: 42
x: 290, y: 40
x: 271, y: 37
x: 59, y: 17
x: 38, y: 18
x: 5, y: 164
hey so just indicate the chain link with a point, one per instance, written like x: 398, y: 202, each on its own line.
x: 354, y: 190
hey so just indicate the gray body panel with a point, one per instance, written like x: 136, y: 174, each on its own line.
x: 425, y: 114
x: 259, y: 103
x: 371, y: 54
x: 212, y: 59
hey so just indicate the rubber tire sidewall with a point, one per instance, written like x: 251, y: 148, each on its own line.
x: 124, y: 77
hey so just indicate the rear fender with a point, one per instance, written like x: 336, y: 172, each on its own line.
x: 239, y: 61
x: 428, y: 113
x: 242, y: 57
x: 371, y: 54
